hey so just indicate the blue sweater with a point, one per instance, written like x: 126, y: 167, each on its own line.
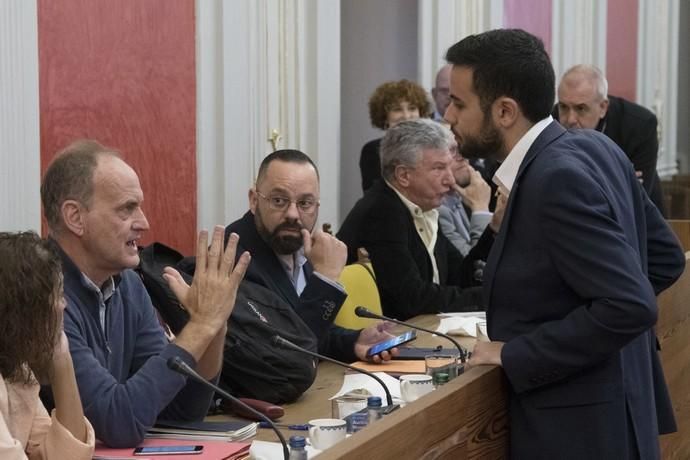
x: 123, y: 378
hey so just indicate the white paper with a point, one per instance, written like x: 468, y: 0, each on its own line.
x: 464, y: 326
x: 264, y: 450
x: 359, y: 382
x: 463, y: 314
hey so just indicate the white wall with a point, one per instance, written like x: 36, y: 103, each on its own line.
x: 20, y: 207
x: 684, y: 89
x: 378, y: 44
x: 265, y: 65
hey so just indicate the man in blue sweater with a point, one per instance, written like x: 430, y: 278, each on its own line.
x: 92, y: 202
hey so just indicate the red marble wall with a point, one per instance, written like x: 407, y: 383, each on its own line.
x: 621, y: 47
x: 123, y: 73
x: 533, y: 16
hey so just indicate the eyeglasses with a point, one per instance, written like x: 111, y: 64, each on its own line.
x: 282, y: 203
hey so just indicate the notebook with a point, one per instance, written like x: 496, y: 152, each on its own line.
x: 226, y: 430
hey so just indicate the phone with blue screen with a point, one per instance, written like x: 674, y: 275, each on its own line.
x: 168, y: 450
x: 392, y: 343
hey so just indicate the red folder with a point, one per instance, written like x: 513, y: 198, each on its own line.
x: 213, y: 450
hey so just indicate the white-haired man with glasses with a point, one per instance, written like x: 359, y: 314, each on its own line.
x: 295, y: 260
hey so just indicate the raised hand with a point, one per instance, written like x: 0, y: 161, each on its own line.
x: 211, y: 297
x: 325, y: 252
x: 371, y: 336
x: 477, y: 194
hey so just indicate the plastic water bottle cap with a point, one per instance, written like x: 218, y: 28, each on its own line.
x: 374, y: 401
x: 297, y: 441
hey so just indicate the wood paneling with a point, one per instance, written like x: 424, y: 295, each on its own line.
x: 673, y: 331
x: 123, y: 73
x: 682, y: 230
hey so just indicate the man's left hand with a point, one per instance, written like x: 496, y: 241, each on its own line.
x: 486, y: 353
x: 371, y: 336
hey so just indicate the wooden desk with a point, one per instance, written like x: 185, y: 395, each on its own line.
x: 467, y: 418
x: 673, y: 332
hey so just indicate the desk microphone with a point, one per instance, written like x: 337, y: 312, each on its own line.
x: 178, y: 365
x: 364, y: 312
x: 284, y: 343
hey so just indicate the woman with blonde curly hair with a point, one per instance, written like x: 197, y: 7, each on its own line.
x: 391, y: 103
x: 33, y: 347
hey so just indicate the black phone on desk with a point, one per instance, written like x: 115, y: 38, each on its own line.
x: 421, y: 353
x: 392, y: 343
x: 169, y: 450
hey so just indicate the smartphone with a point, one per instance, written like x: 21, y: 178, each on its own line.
x: 392, y: 343
x: 168, y: 450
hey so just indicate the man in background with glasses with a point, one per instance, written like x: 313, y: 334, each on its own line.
x: 296, y: 261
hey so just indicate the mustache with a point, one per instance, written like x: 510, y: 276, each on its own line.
x: 288, y: 226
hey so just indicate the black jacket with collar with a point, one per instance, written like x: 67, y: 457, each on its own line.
x: 318, y: 304
x: 382, y: 224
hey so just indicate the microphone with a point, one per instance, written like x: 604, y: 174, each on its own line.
x: 178, y: 365
x: 284, y: 343
x: 364, y: 312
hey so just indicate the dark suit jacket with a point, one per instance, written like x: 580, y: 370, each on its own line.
x: 570, y: 286
x: 382, y: 224
x: 318, y: 304
x: 370, y: 163
x: 633, y: 128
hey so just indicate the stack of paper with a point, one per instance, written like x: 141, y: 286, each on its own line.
x: 363, y: 384
x: 460, y: 324
x: 227, y: 431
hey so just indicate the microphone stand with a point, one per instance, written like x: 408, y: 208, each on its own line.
x: 364, y: 312
x: 178, y: 365
x: 284, y: 343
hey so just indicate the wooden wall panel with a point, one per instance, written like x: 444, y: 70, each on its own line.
x: 673, y: 332
x: 621, y: 47
x: 123, y: 73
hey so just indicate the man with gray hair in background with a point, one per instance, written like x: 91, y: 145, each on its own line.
x: 417, y: 269
x: 584, y: 102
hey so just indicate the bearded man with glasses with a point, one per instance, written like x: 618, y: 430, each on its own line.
x: 294, y: 259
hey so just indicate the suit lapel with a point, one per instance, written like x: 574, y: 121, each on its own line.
x: 551, y: 133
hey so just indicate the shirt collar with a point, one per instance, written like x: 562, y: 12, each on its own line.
x: 293, y: 261
x: 415, y: 210
x: 106, y: 290
x: 506, y: 174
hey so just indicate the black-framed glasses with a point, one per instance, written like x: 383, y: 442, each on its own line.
x: 282, y: 203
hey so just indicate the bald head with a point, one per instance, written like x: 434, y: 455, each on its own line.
x: 70, y: 177
x: 582, y: 97
x: 441, y: 91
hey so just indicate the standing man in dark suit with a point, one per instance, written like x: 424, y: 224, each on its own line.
x: 298, y: 263
x: 584, y: 102
x: 417, y: 269
x: 571, y: 281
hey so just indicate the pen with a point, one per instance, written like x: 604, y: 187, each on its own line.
x: 282, y: 425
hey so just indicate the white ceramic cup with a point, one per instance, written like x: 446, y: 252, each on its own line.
x: 325, y: 432
x: 414, y: 386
